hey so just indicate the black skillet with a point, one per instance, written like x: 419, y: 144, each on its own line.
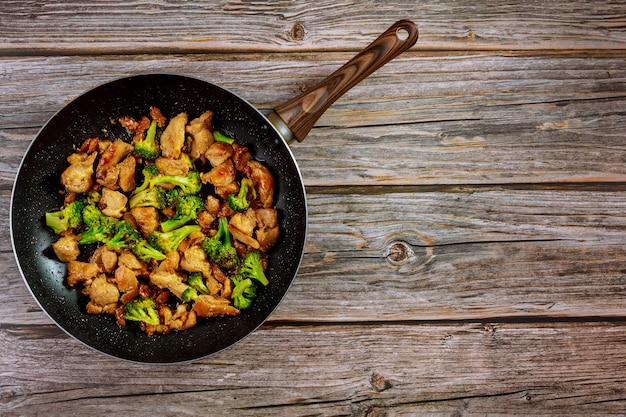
x: 36, y: 191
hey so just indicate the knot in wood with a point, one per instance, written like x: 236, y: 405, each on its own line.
x: 379, y: 382
x: 297, y: 32
x: 399, y: 253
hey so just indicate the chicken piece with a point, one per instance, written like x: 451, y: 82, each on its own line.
x: 107, y: 171
x: 263, y: 182
x: 127, y: 283
x: 225, y: 190
x: 112, y: 203
x: 181, y: 319
x: 211, y: 306
x: 103, y: 296
x: 147, y: 219
x: 173, y: 137
x: 126, y: 178
x: 105, y: 258
x: 77, y: 178
x: 212, y: 205
x: 218, y: 153
x: 242, y: 226
x: 170, y: 263
x: 130, y: 261
x: 241, y: 157
x: 205, y: 219
x: 78, y: 271
x: 268, y: 232
x: 201, y: 136
x: 220, y: 175
x: 227, y: 288
x: 169, y: 166
x: 89, y: 146
x: 194, y: 259
x: 156, y: 115
x: 66, y: 248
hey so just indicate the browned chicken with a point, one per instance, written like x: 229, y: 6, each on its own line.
x: 268, y: 232
x: 127, y: 283
x: 77, y: 178
x: 201, y: 135
x: 211, y: 306
x: 126, y: 179
x: 105, y: 258
x: 173, y: 137
x: 169, y: 166
x: 107, y: 171
x: 218, y: 153
x: 78, y: 271
x: 263, y: 182
x: 66, y: 248
x: 103, y: 296
x: 147, y: 219
x: 113, y: 203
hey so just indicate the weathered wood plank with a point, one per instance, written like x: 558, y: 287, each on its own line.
x: 525, y: 369
x: 130, y: 26
x: 471, y: 254
x: 443, y: 120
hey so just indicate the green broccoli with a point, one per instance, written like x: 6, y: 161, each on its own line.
x: 92, y: 198
x: 187, y: 209
x: 220, y: 137
x: 240, y: 202
x: 196, y: 282
x: 172, y: 196
x: 219, y: 248
x: 70, y: 216
x: 244, y: 292
x: 251, y: 267
x: 144, y: 252
x: 142, y: 310
x: 100, y: 226
x: 148, y: 148
x: 125, y: 236
x: 149, y: 197
x: 166, y: 242
x: 149, y: 172
x: 189, y: 184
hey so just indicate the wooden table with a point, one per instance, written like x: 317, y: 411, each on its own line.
x: 467, y: 238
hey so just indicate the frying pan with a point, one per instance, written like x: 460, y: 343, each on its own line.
x: 37, y: 183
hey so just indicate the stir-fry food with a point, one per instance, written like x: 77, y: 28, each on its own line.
x: 168, y: 228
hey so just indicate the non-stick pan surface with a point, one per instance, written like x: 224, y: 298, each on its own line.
x: 36, y: 191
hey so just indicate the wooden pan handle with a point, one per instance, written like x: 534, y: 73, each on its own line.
x: 299, y: 114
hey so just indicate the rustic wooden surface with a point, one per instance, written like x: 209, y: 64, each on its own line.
x: 467, y: 238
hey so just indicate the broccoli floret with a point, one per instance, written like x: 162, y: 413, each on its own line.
x: 148, y: 148
x: 220, y: 137
x: 166, y: 242
x: 219, y: 249
x: 92, y: 198
x: 144, y: 252
x: 172, y: 196
x: 100, y: 226
x: 142, y: 310
x: 70, y: 216
x: 244, y: 292
x: 125, y: 236
x: 251, y: 267
x: 149, y: 172
x: 196, y: 282
x: 240, y: 202
x: 149, y: 197
x: 187, y: 209
x: 189, y: 184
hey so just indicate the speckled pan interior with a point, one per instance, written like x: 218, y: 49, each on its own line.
x: 36, y: 192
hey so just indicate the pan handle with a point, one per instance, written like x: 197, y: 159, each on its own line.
x: 295, y: 118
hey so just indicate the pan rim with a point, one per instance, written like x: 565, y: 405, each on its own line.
x: 35, y: 140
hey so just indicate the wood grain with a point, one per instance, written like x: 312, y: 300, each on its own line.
x: 363, y: 370
x: 61, y: 27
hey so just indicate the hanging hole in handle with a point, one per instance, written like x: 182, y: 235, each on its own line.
x: 402, y: 34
